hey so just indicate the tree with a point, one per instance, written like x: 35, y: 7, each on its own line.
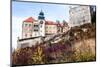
x: 38, y: 56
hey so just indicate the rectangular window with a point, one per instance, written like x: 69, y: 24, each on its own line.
x: 46, y: 27
x: 36, y: 25
x: 29, y: 25
x: 25, y: 25
x: 35, y: 29
x: 30, y: 35
x: 46, y: 31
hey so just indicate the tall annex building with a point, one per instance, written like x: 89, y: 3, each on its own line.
x: 79, y: 15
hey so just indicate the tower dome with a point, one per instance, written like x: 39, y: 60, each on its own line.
x: 41, y: 15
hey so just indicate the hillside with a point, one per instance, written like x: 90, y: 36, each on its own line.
x: 78, y: 44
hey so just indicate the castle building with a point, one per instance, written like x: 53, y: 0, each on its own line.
x: 42, y: 27
x: 79, y: 15
x: 51, y: 28
x: 27, y: 27
x: 34, y: 30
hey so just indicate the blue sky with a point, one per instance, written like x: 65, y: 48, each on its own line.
x: 52, y: 11
x: 23, y: 10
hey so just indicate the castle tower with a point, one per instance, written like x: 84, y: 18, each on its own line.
x: 41, y: 21
x: 27, y: 28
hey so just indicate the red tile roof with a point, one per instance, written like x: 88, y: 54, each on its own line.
x: 50, y: 23
x: 61, y: 24
x: 30, y: 19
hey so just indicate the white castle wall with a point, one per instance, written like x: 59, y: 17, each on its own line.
x: 22, y: 43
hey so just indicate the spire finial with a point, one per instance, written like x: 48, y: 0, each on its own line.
x: 41, y: 10
x: 41, y: 15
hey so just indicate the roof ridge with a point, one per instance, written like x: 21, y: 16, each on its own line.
x: 30, y: 19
